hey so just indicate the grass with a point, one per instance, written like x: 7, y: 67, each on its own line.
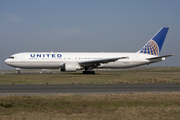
x: 147, y: 106
x: 97, y: 107
x: 137, y: 76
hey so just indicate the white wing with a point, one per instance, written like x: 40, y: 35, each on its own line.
x: 95, y: 63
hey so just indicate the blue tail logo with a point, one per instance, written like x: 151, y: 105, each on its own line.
x: 153, y: 47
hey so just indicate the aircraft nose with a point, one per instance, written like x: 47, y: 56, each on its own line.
x: 7, y: 61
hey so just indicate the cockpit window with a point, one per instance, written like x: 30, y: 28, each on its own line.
x: 11, y: 57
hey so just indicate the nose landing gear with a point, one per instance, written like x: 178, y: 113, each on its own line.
x: 18, y: 71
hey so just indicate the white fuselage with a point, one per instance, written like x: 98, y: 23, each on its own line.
x: 73, y: 61
x: 56, y: 60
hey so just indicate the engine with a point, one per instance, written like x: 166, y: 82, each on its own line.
x: 70, y: 67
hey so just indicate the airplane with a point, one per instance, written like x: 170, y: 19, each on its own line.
x: 87, y: 61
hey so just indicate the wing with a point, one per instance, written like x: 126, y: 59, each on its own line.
x: 95, y: 63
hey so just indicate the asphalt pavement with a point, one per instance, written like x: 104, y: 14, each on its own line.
x: 87, y: 89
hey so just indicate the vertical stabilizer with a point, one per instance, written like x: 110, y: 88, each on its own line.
x: 153, y: 47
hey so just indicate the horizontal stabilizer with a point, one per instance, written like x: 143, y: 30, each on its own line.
x: 164, y: 56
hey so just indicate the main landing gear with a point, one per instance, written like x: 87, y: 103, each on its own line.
x: 88, y: 71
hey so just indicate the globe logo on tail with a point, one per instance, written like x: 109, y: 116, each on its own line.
x: 150, y: 48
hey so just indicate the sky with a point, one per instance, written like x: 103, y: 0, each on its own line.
x: 87, y: 26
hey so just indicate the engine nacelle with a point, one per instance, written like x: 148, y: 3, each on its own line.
x: 70, y: 67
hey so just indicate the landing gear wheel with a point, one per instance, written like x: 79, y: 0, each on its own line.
x: 92, y: 72
x: 84, y: 72
x: 88, y: 72
x: 19, y: 72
